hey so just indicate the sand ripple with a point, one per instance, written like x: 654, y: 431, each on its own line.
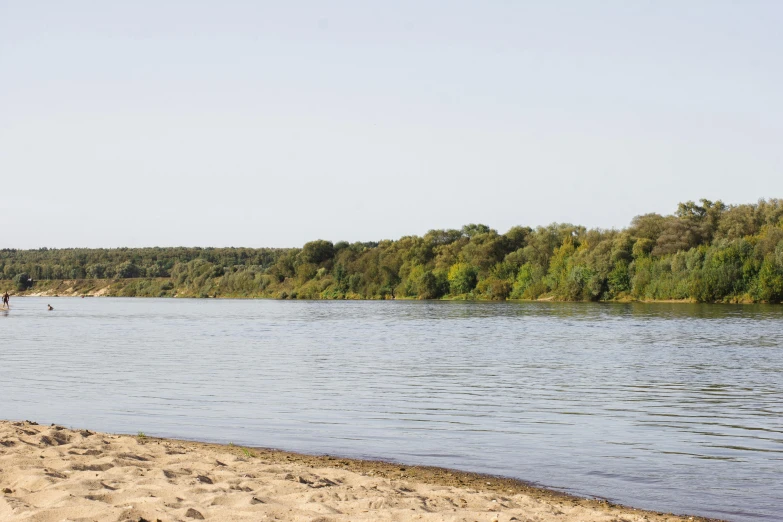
x: 53, y: 474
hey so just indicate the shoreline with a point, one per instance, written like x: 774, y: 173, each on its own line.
x: 105, y: 291
x: 56, y: 473
x: 162, y: 287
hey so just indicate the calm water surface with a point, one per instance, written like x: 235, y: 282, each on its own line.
x: 667, y: 407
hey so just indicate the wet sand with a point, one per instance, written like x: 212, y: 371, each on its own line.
x: 51, y: 473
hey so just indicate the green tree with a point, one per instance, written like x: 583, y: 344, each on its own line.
x: 317, y: 252
x: 473, y: 229
x: 770, y: 280
x: 128, y: 270
x: 619, y: 279
x: 432, y: 285
x: 462, y: 278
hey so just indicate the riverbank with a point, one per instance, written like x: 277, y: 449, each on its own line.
x: 51, y: 473
x: 164, y: 287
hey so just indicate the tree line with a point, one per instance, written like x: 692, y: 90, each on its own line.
x: 706, y: 251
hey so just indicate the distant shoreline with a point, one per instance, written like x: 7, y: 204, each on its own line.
x: 106, y: 475
x: 120, y: 288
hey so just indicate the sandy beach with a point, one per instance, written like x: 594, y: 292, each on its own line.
x: 52, y: 473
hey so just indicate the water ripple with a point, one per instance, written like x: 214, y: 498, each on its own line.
x: 664, y: 406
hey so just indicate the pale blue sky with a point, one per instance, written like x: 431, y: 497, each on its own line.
x: 274, y: 123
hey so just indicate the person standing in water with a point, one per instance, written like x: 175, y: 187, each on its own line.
x: 6, y: 300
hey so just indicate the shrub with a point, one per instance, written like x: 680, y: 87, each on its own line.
x: 23, y: 282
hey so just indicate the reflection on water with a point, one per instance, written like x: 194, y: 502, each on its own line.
x: 665, y: 406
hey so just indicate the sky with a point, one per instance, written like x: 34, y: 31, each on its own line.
x: 267, y: 123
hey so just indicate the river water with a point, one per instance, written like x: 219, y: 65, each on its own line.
x: 671, y: 407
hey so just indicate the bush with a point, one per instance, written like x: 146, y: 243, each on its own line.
x: 23, y: 282
x: 495, y: 288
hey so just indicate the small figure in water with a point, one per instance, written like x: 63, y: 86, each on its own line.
x: 6, y: 300
x: 49, y: 307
